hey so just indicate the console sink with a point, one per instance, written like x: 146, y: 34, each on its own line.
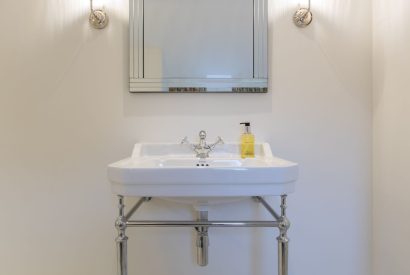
x: 173, y: 171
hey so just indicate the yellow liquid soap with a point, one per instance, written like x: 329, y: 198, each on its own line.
x: 247, y: 142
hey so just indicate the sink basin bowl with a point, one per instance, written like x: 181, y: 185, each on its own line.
x: 173, y: 171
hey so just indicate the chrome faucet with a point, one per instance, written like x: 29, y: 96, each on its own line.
x: 202, y: 149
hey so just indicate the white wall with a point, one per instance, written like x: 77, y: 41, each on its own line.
x: 391, y: 137
x: 65, y: 113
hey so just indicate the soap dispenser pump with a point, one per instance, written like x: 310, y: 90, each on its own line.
x: 247, y: 142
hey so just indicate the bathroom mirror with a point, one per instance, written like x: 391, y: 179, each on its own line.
x: 198, y: 46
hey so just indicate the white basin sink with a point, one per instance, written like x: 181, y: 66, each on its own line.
x: 173, y: 171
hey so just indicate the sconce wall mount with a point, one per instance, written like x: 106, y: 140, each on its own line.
x: 98, y: 17
x: 303, y: 17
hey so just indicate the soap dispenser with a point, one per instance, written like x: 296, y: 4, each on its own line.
x: 247, y: 141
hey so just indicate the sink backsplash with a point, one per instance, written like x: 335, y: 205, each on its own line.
x: 224, y: 150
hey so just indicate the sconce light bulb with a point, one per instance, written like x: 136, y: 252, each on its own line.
x: 302, y: 17
x: 98, y: 19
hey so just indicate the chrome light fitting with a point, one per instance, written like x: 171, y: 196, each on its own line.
x: 98, y: 18
x: 303, y: 17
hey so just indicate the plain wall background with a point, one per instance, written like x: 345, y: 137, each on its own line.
x: 391, y: 137
x: 65, y: 113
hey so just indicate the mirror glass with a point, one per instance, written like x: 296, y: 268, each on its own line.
x: 198, y: 46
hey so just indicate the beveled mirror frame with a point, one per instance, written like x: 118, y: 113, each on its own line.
x: 257, y: 84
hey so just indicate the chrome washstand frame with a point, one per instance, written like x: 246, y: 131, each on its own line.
x: 201, y: 225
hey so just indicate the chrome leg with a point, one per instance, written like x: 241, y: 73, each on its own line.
x: 283, y: 241
x: 121, y: 240
x: 202, y: 240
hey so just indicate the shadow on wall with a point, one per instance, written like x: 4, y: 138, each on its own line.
x: 195, y: 104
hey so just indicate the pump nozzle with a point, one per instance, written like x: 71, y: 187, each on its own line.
x: 247, y: 127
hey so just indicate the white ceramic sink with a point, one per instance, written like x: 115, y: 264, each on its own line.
x: 173, y: 171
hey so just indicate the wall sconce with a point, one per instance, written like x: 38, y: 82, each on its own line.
x: 98, y: 18
x: 303, y: 17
